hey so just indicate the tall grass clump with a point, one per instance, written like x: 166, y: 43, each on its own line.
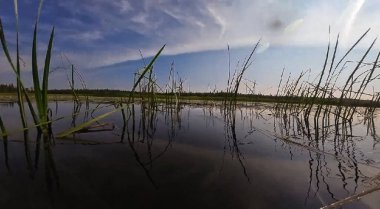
x: 15, y: 67
x: 174, y: 87
x: 331, y: 94
x: 21, y: 90
x: 41, y: 119
x: 41, y: 116
x: 234, y: 81
x: 40, y: 89
x: 142, y: 75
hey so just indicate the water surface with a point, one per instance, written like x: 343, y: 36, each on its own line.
x: 190, y: 156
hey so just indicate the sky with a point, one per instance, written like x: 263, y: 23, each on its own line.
x: 106, y: 39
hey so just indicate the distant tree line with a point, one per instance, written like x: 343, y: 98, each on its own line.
x: 5, y: 88
x: 11, y: 88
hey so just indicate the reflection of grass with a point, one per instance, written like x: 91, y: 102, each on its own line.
x: 5, y: 141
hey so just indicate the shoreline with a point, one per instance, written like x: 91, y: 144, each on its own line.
x: 195, y: 98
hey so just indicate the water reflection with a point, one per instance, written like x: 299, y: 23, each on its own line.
x: 232, y: 140
x: 7, y: 104
x: 141, y: 130
x: 371, y: 130
x: 329, y: 157
x: 329, y: 133
x: 5, y: 143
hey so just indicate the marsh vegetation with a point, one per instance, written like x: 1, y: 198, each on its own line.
x: 312, y: 144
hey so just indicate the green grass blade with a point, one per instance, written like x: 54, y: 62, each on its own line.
x: 36, y: 80
x: 46, y: 72
x: 38, y: 125
x: 16, y: 69
x: 5, y: 47
x: 34, y: 115
x: 19, y: 83
x: 354, y: 71
x: 245, y: 67
x: 6, y: 52
x: 147, y: 68
x: 21, y: 91
x: 352, y: 47
x: 87, y: 123
x: 316, y: 90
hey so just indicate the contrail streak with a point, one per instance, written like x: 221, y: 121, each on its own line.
x: 354, y: 8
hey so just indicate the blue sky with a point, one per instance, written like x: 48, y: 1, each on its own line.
x: 103, y: 38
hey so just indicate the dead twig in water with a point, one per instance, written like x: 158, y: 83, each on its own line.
x: 352, y: 198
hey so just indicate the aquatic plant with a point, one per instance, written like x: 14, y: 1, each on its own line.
x: 40, y: 90
x: 234, y: 81
x: 95, y: 119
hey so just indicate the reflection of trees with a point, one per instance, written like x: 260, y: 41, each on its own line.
x: 7, y: 104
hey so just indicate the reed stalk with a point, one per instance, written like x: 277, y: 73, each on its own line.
x: 40, y: 92
x: 104, y: 115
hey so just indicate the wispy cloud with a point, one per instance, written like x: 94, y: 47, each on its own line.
x: 293, y: 26
x: 350, y: 16
x: 108, y: 32
x: 88, y: 36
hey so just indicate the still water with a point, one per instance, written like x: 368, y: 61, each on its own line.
x: 190, y: 156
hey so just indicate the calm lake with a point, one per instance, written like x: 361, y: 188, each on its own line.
x: 254, y: 155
